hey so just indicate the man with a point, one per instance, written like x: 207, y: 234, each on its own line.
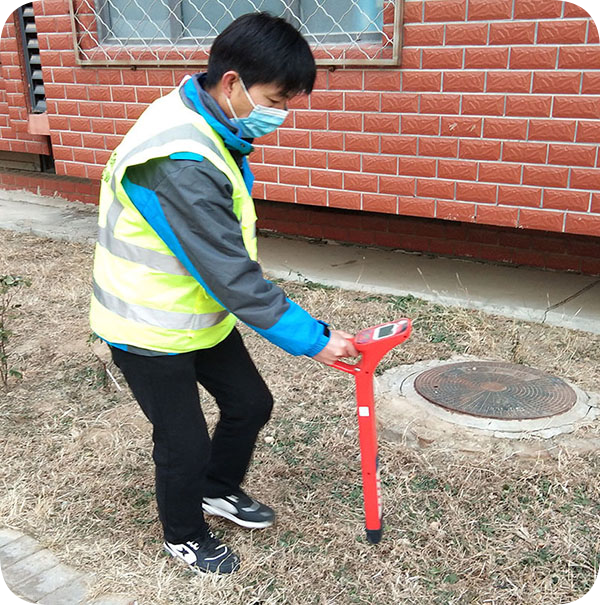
x: 175, y: 265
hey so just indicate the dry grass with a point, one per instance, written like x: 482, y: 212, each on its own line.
x: 77, y: 472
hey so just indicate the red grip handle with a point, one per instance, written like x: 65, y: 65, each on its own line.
x: 373, y: 345
x: 346, y: 367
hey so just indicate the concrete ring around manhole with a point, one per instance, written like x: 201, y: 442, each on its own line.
x: 405, y: 403
x: 495, y: 390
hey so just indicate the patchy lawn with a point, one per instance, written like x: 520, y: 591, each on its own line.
x: 77, y: 472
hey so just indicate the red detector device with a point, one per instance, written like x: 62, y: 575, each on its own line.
x: 373, y: 343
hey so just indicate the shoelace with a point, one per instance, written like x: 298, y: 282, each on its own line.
x: 243, y: 499
x: 211, y: 540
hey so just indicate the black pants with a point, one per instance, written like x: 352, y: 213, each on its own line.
x: 189, y: 465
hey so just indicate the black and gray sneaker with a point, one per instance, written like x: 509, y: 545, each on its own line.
x: 241, y: 509
x: 206, y: 554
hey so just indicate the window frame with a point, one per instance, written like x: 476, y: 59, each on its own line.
x: 91, y: 51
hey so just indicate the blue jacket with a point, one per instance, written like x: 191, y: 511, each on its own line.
x: 204, y: 233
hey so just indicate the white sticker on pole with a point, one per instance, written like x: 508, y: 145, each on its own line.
x: 363, y: 410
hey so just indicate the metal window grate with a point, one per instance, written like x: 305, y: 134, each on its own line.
x: 180, y: 32
x: 31, y: 54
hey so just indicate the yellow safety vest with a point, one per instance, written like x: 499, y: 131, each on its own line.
x: 142, y: 295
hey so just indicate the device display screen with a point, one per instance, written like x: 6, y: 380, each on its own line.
x: 385, y: 331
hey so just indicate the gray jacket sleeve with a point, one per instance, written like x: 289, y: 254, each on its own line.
x: 196, y: 199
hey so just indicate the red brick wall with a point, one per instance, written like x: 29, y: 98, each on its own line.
x: 531, y: 247
x: 492, y: 120
x: 51, y: 185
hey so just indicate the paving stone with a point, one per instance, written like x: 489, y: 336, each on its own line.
x: 41, y: 585
x: 18, y: 549
x: 22, y: 598
x: 29, y: 566
x: 34, y: 574
x: 9, y: 535
x: 73, y: 593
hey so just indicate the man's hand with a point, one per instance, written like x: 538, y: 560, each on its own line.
x: 340, y: 345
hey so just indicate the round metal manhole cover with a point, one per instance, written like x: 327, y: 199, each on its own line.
x: 503, y: 391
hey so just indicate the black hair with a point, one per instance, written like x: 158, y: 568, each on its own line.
x: 263, y: 49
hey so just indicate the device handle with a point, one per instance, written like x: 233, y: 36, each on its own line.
x: 346, y: 367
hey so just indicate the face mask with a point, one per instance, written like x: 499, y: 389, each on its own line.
x: 262, y: 120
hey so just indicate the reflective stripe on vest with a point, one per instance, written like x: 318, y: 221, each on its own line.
x: 136, y: 254
x: 157, y: 317
x: 131, y: 252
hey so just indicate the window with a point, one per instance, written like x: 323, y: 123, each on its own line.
x: 180, y: 31
x: 190, y: 21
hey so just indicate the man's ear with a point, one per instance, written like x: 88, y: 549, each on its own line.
x: 228, y: 79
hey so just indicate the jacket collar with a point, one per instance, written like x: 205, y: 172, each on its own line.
x: 192, y: 93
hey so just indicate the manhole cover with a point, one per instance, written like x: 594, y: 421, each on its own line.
x: 496, y: 390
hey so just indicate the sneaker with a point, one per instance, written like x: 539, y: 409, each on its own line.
x: 241, y: 509
x: 206, y: 555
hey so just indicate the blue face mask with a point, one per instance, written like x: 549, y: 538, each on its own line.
x: 262, y: 119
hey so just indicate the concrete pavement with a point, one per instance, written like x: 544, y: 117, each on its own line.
x: 556, y: 298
